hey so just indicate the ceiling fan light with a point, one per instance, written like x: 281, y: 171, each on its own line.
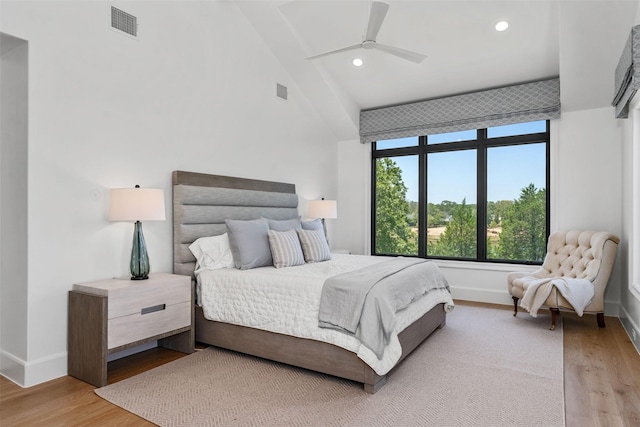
x: 357, y: 62
x: 501, y: 26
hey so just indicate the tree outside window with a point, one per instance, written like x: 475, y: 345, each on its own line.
x: 394, y: 234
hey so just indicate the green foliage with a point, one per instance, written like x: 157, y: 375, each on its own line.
x: 437, y: 215
x: 459, y: 237
x: 412, y: 218
x: 524, y: 229
x: 517, y: 228
x: 496, y: 211
x: 393, y: 232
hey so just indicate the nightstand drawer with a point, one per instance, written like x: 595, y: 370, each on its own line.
x: 156, y: 320
x: 129, y: 300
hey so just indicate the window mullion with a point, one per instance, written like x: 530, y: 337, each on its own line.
x: 481, y: 197
x: 548, y: 184
x: 422, y: 198
x: 373, y: 200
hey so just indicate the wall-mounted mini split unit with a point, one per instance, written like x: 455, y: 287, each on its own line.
x: 123, y: 21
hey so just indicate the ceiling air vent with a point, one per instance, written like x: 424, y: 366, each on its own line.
x: 124, y: 22
x: 281, y: 91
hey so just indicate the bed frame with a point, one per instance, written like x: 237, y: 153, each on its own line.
x: 201, y: 203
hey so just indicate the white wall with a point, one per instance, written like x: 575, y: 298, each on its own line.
x: 196, y: 91
x: 13, y: 204
x: 352, y: 228
x: 588, y: 191
x: 585, y: 193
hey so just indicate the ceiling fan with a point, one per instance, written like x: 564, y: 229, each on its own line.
x: 376, y: 18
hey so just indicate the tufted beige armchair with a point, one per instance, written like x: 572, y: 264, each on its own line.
x: 571, y: 254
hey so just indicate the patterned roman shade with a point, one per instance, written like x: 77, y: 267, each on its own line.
x: 495, y: 107
x: 627, y: 74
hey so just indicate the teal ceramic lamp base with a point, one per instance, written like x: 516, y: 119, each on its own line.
x: 139, y: 259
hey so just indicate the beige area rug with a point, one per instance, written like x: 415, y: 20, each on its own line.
x: 484, y: 368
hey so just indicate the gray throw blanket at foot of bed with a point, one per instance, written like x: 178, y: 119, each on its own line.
x: 364, y: 303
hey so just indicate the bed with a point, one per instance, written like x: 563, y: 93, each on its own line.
x: 201, y: 204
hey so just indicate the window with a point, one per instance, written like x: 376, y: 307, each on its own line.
x: 480, y: 194
x: 451, y: 196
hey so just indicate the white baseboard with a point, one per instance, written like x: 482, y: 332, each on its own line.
x: 27, y: 374
x: 12, y: 368
x: 481, y: 295
x: 46, y: 369
x: 633, y: 330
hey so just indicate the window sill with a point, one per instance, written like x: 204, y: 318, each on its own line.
x: 485, y: 266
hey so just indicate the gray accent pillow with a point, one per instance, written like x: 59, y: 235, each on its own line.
x: 284, y: 225
x: 314, y: 245
x: 285, y: 248
x: 315, y: 224
x: 249, y: 241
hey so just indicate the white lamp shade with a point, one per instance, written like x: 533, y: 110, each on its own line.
x: 136, y: 204
x: 323, y: 209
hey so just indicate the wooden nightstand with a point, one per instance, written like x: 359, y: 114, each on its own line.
x: 112, y: 315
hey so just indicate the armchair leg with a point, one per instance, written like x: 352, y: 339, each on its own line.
x: 515, y: 305
x: 554, y: 314
x: 600, y: 319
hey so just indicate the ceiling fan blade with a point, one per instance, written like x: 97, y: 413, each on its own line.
x: 402, y: 53
x: 344, y: 49
x: 378, y: 12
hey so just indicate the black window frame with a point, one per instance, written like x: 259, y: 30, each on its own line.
x: 481, y: 145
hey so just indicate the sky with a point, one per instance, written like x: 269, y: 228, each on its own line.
x: 452, y: 175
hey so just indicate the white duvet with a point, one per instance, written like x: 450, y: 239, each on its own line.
x: 287, y: 301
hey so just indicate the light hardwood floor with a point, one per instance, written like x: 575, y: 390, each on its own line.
x: 601, y: 370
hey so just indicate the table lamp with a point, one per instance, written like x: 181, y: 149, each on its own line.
x: 323, y: 209
x: 137, y: 204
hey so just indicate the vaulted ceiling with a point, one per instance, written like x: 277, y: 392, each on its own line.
x: 578, y: 40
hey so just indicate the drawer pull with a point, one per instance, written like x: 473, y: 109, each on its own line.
x: 153, y: 309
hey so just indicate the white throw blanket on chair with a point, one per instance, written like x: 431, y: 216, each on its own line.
x: 578, y: 292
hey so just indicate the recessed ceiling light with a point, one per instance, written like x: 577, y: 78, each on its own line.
x: 358, y: 62
x: 502, y: 25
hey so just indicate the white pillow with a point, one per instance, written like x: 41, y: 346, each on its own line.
x: 314, y: 245
x: 212, y: 252
x: 285, y: 248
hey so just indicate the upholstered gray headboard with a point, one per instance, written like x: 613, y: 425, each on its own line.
x: 202, y: 202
